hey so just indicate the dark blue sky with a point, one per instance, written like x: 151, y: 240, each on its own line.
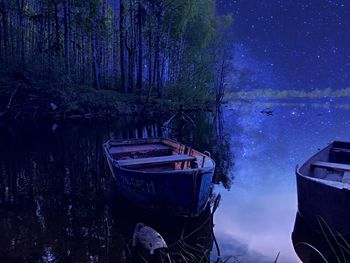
x: 291, y: 44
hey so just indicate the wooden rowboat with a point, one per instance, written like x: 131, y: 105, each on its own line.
x: 323, y: 184
x: 161, y: 174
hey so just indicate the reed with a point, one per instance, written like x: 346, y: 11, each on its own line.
x: 337, y: 247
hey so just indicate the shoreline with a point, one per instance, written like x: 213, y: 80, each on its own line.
x: 85, y: 104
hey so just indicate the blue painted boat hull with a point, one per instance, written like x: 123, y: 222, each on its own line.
x: 174, y: 193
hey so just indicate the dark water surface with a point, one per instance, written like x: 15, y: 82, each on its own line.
x: 59, y: 204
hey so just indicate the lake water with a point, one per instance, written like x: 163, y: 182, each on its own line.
x: 58, y: 203
x: 259, y: 211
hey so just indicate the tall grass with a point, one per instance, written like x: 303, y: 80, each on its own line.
x: 337, y: 249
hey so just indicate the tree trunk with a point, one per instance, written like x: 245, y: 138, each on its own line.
x: 102, y: 49
x: 1, y: 58
x: 130, y: 48
x: 42, y: 32
x: 130, y: 63
x: 11, y: 35
x: 84, y: 43
x: 140, y: 55
x: 156, y: 76
x: 157, y: 67
x: 49, y: 42
x: 20, y: 6
x: 5, y: 30
x: 4, y: 11
x: 167, y: 42
x: 149, y: 56
x: 122, y: 43
x: 66, y: 6
x: 115, y: 56
x: 94, y: 59
x: 57, y: 27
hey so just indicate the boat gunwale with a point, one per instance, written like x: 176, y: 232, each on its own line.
x: 330, y: 183
x: 334, y: 184
x: 200, y: 170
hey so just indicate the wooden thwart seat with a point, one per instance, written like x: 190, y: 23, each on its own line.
x: 156, y: 160
x: 340, y: 150
x: 138, y: 148
x: 334, y: 166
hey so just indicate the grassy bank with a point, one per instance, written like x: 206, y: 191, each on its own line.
x: 20, y: 100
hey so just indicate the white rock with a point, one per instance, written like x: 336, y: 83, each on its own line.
x: 53, y: 106
x: 148, y: 238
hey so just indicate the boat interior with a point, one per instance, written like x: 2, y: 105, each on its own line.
x: 330, y: 164
x: 156, y: 155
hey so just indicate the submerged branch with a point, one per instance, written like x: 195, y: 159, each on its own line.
x: 8, y: 105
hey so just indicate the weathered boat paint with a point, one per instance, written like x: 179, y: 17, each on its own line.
x: 324, y: 200
x: 175, y: 192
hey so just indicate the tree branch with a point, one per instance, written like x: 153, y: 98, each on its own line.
x: 8, y: 106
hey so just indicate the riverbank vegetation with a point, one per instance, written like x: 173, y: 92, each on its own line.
x: 284, y: 94
x: 90, y: 57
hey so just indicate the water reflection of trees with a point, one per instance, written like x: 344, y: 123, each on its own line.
x: 222, y: 151
x: 208, y: 134
x: 51, y: 195
x: 54, y: 194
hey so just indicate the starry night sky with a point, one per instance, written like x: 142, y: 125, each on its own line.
x: 290, y: 44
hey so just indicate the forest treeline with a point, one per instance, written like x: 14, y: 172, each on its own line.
x: 150, y: 48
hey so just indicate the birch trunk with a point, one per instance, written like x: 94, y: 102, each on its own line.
x: 66, y: 36
x: 122, y: 43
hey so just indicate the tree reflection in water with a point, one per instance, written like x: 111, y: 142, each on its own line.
x: 207, y: 134
x: 57, y: 202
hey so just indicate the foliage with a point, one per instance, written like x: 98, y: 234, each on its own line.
x: 149, y: 48
x: 34, y: 97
